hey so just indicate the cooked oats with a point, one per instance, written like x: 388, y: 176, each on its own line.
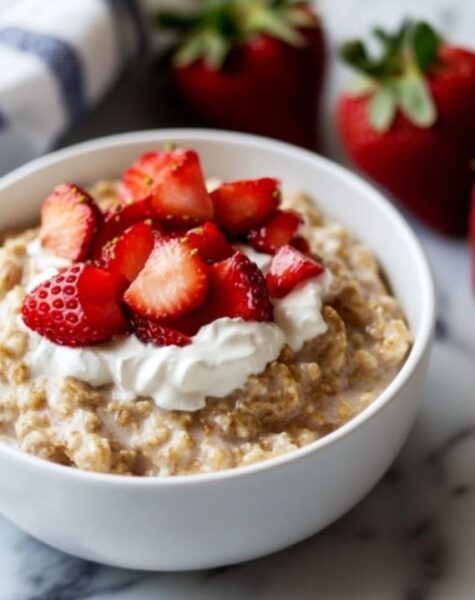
x: 297, y: 399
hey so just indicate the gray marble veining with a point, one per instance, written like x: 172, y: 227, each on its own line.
x: 413, y: 536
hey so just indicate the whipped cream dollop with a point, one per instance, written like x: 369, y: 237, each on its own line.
x: 41, y: 265
x: 220, y: 358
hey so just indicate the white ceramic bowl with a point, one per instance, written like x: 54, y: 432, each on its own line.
x: 225, y: 517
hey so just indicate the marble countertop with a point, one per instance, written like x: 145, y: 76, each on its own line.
x: 413, y: 536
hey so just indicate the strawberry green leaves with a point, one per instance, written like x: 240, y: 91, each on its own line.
x: 217, y: 26
x: 382, y: 108
x: 415, y: 100
x: 394, y: 80
x: 425, y: 44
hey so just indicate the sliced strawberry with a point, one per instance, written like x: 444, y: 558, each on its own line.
x: 174, y: 180
x: 128, y: 253
x: 69, y: 218
x: 288, y: 268
x: 209, y: 241
x: 301, y: 244
x: 79, y: 307
x: 243, y: 205
x: 276, y: 232
x: 238, y: 289
x: 117, y: 221
x: 150, y: 332
x: 173, y: 282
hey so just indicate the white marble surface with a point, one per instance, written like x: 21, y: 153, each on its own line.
x: 413, y: 536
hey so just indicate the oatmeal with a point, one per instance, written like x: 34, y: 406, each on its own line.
x: 328, y: 347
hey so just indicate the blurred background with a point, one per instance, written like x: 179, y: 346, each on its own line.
x: 125, y: 88
x: 78, y: 69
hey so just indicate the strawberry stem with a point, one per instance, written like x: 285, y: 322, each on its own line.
x: 220, y: 25
x: 394, y: 79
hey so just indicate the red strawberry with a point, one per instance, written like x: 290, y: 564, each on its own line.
x: 79, y: 307
x: 252, y: 66
x: 128, y: 253
x: 301, y: 244
x: 175, y: 183
x: 191, y: 323
x: 150, y: 332
x: 288, y: 268
x: 209, y: 241
x: 277, y: 232
x: 243, y: 205
x: 412, y: 125
x: 69, y: 218
x: 173, y: 282
x: 472, y: 233
x: 238, y: 289
x: 117, y: 221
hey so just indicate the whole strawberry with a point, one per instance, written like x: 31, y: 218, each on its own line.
x: 409, y: 123
x: 472, y: 234
x: 252, y: 65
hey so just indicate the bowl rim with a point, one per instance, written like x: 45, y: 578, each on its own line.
x: 373, y: 196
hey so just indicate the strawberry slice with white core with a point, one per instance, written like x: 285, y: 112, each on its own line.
x: 174, y: 281
x: 276, y: 232
x: 243, y: 205
x: 238, y: 289
x: 175, y: 182
x: 288, y: 268
x: 69, y: 219
x: 128, y: 253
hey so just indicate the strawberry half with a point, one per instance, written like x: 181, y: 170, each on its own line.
x: 238, y: 289
x: 209, y: 241
x: 288, y: 268
x: 149, y: 331
x: 277, y: 232
x: 128, y: 253
x: 79, y: 307
x: 174, y: 281
x: 175, y: 183
x: 117, y: 221
x: 69, y: 218
x: 243, y: 205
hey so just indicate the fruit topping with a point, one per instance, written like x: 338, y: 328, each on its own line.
x: 175, y: 183
x: 78, y: 307
x: 210, y: 242
x: 243, y: 205
x: 150, y: 332
x: 69, y: 219
x: 288, y: 268
x: 117, y: 221
x: 174, y: 281
x: 238, y: 289
x: 276, y: 232
x: 128, y: 253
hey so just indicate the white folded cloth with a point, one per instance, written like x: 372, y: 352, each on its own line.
x: 57, y: 59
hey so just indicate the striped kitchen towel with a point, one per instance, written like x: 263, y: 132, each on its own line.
x: 57, y: 58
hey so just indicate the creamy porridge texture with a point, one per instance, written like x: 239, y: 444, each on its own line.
x: 87, y: 414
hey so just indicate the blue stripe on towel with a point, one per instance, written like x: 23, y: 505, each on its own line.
x: 59, y: 56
